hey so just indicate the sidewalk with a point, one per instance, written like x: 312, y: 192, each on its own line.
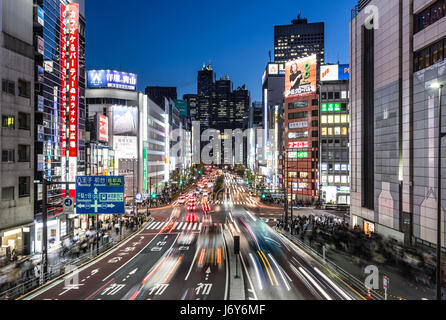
x: 398, y: 285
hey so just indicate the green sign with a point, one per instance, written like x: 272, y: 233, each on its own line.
x: 144, y: 170
x: 330, y: 107
x: 324, y: 107
x: 182, y: 107
x: 302, y: 155
x: 337, y: 107
x: 114, y: 182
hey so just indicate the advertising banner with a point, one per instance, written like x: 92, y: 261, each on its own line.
x: 298, y: 145
x: 111, y: 79
x: 344, y: 72
x: 300, y: 77
x: 63, y: 91
x: 125, y: 147
x: 40, y: 45
x: 298, y: 125
x: 73, y: 94
x: 144, y: 170
x: 102, y: 128
x: 330, y: 72
x: 273, y: 69
x: 40, y: 16
x: 125, y: 121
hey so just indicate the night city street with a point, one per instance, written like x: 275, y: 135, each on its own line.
x: 236, y: 159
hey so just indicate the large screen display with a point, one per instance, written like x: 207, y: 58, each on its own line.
x: 111, y: 79
x: 125, y: 121
x: 300, y: 77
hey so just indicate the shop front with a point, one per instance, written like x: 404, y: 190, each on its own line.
x: 16, y: 239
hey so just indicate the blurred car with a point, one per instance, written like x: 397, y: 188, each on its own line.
x: 191, y: 207
x: 181, y: 200
x: 191, y: 218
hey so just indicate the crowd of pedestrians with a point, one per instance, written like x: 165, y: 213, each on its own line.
x: 413, y: 263
x: 27, y: 270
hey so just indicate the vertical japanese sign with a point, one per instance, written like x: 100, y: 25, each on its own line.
x: 63, y: 91
x: 144, y: 170
x: 73, y: 94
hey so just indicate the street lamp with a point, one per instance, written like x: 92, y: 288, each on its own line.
x: 440, y: 136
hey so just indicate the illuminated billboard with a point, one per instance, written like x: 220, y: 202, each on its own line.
x: 300, y: 77
x: 298, y: 155
x: 111, y: 79
x: 181, y: 105
x: 125, y: 147
x: 125, y: 121
x: 335, y: 72
x: 273, y: 69
x: 298, y: 145
x: 298, y: 125
x: 102, y: 128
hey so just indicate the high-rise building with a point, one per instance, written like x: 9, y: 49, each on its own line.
x: 334, y: 163
x: 299, y: 39
x: 192, y: 106
x: 17, y: 131
x: 301, y: 129
x: 157, y: 94
x: 394, y: 118
x: 206, y: 95
x: 60, y: 108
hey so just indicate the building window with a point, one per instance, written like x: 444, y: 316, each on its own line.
x: 24, y: 89
x: 323, y: 96
x: 323, y: 119
x: 8, y: 155
x: 430, y: 15
x: 24, y: 187
x: 315, y: 123
x: 337, y: 131
x: 330, y: 131
x: 8, y: 122
x: 298, y: 115
x: 298, y: 104
x: 330, y: 119
x: 323, y: 131
x: 330, y: 96
x: 24, y: 120
x: 8, y: 194
x: 314, y: 113
x: 343, y: 94
x: 315, y: 102
x: 315, y: 134
x: 8, y: 86
x: 343, y: 107
x: 344, y: 131
x: 24, y: 151
x: 337, y: 95
x: 429, y: 56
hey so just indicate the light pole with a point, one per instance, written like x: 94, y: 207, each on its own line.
x: 440, y: 136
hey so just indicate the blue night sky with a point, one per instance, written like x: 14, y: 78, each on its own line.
x: 166, y: 42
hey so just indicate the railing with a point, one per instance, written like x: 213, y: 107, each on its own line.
x: 21, y: 287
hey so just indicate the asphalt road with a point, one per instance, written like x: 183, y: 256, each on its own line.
x: 174, y: 259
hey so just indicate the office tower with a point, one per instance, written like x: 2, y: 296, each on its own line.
x: 60, y: 116
x: 157, y: 94
x: 17, y: 132
x: 394, y: 119
x: 192, y: 106
x: 334, y: 163
x: 206, y: 95
x: 299, y: 39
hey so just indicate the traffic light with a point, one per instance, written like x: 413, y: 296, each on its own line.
x: 263, y: 196
x: 200, y: 172
x: 247, y: 183
x: 154, y: 195
x: 181, y: 182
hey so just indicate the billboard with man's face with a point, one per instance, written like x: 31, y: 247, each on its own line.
x: 300, y: 77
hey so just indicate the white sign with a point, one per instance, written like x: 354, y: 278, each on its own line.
x: 298, y: 125
x: 68, y: 205
x: 330, y: 73
x: 125, y: 147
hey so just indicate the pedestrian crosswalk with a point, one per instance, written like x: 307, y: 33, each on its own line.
x: 247, y: 202
x: 177, y: 226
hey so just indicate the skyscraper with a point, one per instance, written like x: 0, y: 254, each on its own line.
x: 60, y: 105
x: 299, y: 39
x: 206, y: 94
x: 157, y: 94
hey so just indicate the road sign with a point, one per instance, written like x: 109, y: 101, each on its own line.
x: 138, y: 197
x: 100, y: 195
x: 385, y: 282
x: 68, y: 205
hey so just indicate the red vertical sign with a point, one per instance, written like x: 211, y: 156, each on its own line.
x: 63, y: 91
x: 73, y: 93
